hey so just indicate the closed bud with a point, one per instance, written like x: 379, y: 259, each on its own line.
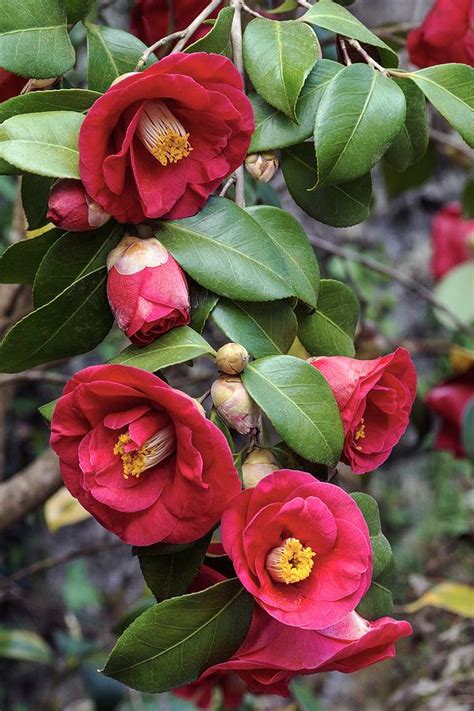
x: 257, y: 464
x: 70, y: 207
x: 39, y: 85
x: 235, y: 406
x: 146, y: 288
x: 262, y: 166
x: 232, y: 359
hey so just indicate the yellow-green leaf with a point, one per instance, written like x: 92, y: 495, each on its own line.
x: 448, y: 595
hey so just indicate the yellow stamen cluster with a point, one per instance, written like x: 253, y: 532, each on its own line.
x: 162, y: 134
x: 154, y: 451
x: 290, y: 562
x: 360, y: 434
x: 133, y: 462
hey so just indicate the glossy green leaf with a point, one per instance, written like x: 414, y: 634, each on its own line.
x: 19, y: 262
x: 71, y: 257
x: 332, y: 17
x: 35, y: 191
x: 263, y: 329
x: 34, y: 41
x: 217, y: 40
x: 330, y: 330
x: 202, y: 303
x: 414, y: 176
x: 278, y: 57
x: 286, y: 6
x: 227, y: 252
x: 24, y: 646
x: 300, y: 404
x: 378, y: 600
x: 171, y: 574
x: 75, y: 322
x: 78, y: 100
x: 455, y: 290
x: 156, y: 653
x: 360, y: 113
x: 450, y: 88
x: 412, y: 141
x: 44, y: 144
x: 111, y: 53
x: 47, y: 410
x: 291, y: 241
x: 177, y: 346
x: 336, y: 205
x: 77, y: 9
x: 273, y: 129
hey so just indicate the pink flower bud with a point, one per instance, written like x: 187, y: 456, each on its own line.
x: 235, y: 406
x: 70, y: 207
x: 146, y: 288
x: 257, y: 465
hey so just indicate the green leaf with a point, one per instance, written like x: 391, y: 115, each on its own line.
x: 34, y: 199
x: 450, y: 88
x: 71, y: 257
x: 77, y: 9
x: 47, y: 410
x: 291, y: 241
x: 169, y: 575
x: 337, y: 205
x: 447, y: 595
x: 25, y: 646
x: 411, y: 143
x: 378, y: 600
x: 273, y: 129
x: 227, y: 252
x: 278, y: 57
x: 156, y: 654
x: 455, y: 291
x: 19, y: 262
x: 217, y: 420
x: 75, y: 322
x: 217, y: 40
x: 263, y: 329
x: 413, y: 177
x: 111, y: 53
x: 468, y: 430
x: 330, y: 330
x: 78, y: 100
x: 286, y: 6
x: 34, y: 41
x: 359, y: 115
x: 300, y: 405
x: 329, y: 16
x: 44, y: 144
x: 202, y: 303
x: 177, y: 346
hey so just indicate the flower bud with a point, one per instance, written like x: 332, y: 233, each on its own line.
x: 257, y: 464
x: 39, y: 84
x: 234, y: 405
x: 123, y: 76
x: 262, y: 166
x: 146, y: 288
x: 232, y: 358
x: 70, y: 208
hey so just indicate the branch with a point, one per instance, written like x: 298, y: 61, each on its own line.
x: 406, y: 281
x: 228, y: 185
x: 370, y: 60
x: 29, y: 488
x: 236, y: 37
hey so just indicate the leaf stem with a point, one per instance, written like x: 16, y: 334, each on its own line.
x: 363, y: 53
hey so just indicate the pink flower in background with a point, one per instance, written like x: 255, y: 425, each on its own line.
x: 449, y: 401
x: 446, y: 35
x: 452, y: 239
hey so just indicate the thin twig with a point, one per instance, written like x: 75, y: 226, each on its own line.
x: 250, y: 10
x: 196, y: 24
x: 152, y: 48
x: 305, y: 4
x: 392, y: 273
x: 344, y: 51
x: 236, y: 37
x: 228, y: 185
x: 370, y: 60
x: 49, y: 563
x: 34, y: 376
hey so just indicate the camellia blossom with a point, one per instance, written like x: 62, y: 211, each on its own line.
x: 301, y: 547
x: 140, y: 456
x: 159, y: 142
x: 10, y: 84
x: 449, y: 401
x: 70, y: 208
x: 375, y: 398
x: 452, y: 239
x: 146, y: 288
x: 446, y: 35
x: 153, y: 19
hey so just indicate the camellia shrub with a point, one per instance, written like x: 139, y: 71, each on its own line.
x: 133, y: 186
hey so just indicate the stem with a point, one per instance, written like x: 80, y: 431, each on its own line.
x: 228, y: 185
x: 406, y: 281
x: 236, y: 37
x: 344, y: 51
x: 370, y: 60
x: 196, y: 23
x: 250, y: 10
x: 305, y: 4
x: 152, y: 48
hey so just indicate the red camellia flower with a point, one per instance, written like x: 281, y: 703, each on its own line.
x: 153, y: 19
x: 70, y: 207
x: 146, y: 288
x: 452, y: 239
x: 10, y: 84
x: 446, y: 35
x: 273, y: 653
x: 375, y: 398
x: 202, y: 693
x: 158, y: 143
x: 300, y: 547
x: 140, y: 456
x: 449, y: 401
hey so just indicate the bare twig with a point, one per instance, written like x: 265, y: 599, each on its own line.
x: 34, y: 376
x: 392, y: 273
x: 236, y: 37
x: 152, y: 48
x: 196, y: 23
x: 250, y: 10
x: 370, y: 60
x: 228, y: 185
x: 305, y: 4
x: 345, y: 53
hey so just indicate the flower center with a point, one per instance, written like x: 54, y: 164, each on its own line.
x: 290, y: 562
x: 360, y: 434
x: 152, y: 452
x: 162, y: 134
